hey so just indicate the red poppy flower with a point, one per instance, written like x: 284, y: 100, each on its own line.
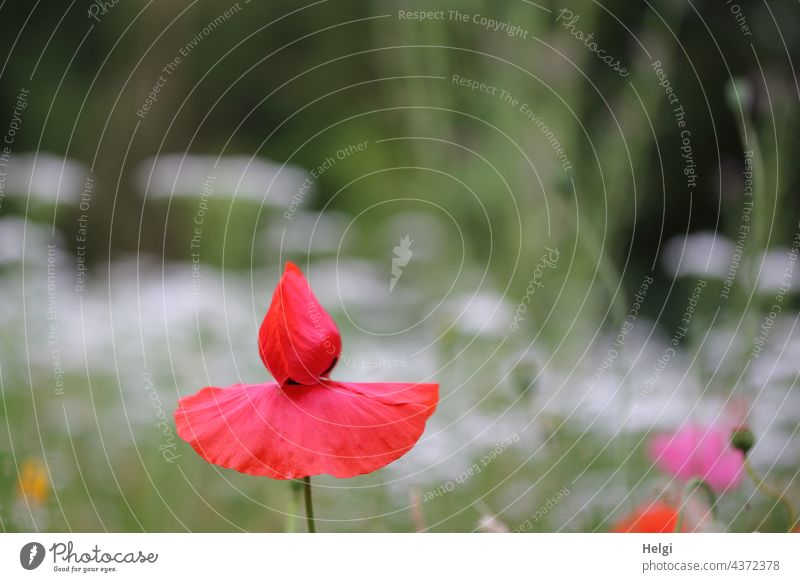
x: 304, y: 424
x: 656, y: 517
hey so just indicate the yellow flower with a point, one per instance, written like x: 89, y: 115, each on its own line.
x: 34, y: 484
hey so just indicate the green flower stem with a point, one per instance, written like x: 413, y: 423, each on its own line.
x: 312, y: 528
x: 294, y: 505
x: 778, y: 496
x: 690, y: 488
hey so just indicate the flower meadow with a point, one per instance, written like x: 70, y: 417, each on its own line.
x: 339, y: 267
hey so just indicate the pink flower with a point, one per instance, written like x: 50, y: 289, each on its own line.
x: 699, y: 452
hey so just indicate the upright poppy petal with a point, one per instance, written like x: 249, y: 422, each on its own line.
x: 292, y: 431
x: 298, y: 340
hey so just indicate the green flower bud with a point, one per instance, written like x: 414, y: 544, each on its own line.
x: 742, y: 439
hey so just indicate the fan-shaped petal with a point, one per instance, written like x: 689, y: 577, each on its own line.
x: 293, y: 431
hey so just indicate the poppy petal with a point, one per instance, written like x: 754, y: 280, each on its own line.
x: 288, y: 432
x: 699, y: 452
x: 656, y: 517
x: 298, y: 340
x: 723, y: 465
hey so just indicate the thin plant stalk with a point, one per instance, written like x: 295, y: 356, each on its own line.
x: 312, y: 528
x: 778, y: 496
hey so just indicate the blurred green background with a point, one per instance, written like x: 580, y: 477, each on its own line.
x: 114, y: 305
